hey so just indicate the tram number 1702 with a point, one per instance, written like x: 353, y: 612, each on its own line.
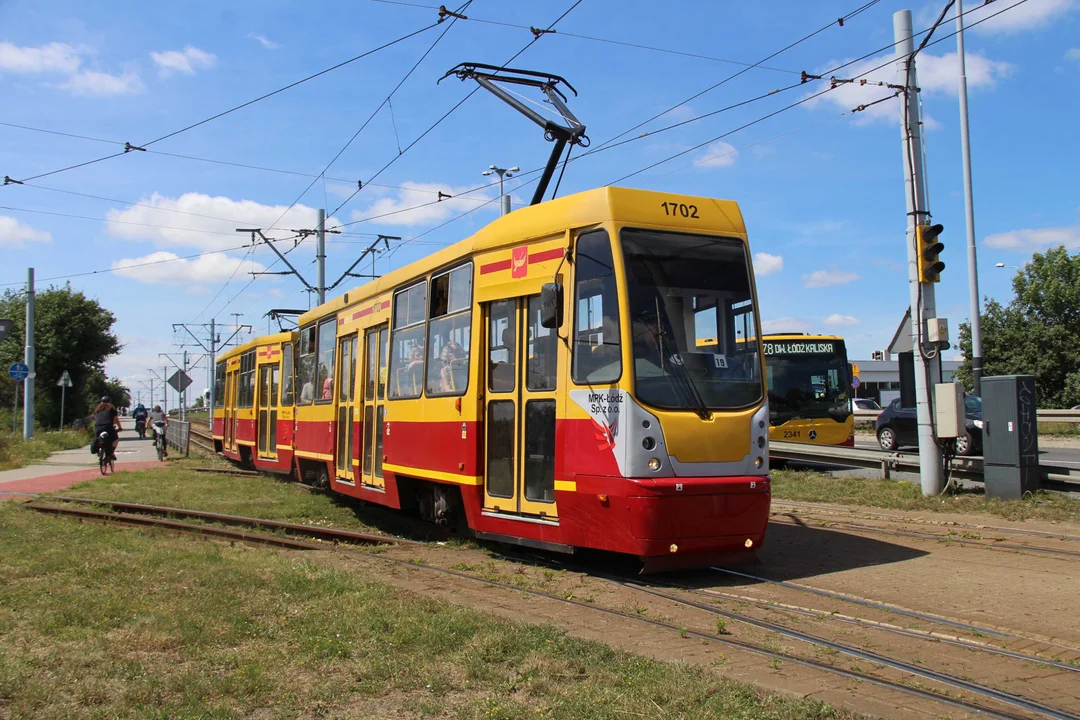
x: 679, y: 209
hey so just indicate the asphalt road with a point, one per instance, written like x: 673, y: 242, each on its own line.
x: 1052, y: 456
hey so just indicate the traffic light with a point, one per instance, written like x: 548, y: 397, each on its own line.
x: 930, y: 266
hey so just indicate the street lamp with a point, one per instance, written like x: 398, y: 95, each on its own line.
x: 504, y: 200
x: 1003, y: 265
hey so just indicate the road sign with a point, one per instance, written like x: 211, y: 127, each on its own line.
x: 855, y: 383
x: 19, y: 371
x: 179, y: 381
x: 5, y: 328
x: 855, y: 369
x: 64, y: 381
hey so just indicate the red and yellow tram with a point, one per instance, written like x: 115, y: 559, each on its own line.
x: 540, y: 381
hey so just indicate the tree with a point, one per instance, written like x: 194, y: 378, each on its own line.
x: 1038, y: 333
x: 71, y: 332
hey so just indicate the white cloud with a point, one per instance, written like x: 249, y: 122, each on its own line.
x: 54, y: 57
x: 838, y: 319
x: 184, y: 61
x: 828, y: 278
x: 1030, y: 15
x: 1039, y: 239
x: 195, y: 220
x: 165, y: 268
x: 935, y: 74
x: 93, y: 83
x: 264, y: 41
x: 414, y: 195
x: 784, y: 324
x: 16, y: 234
x: 766, y: 264
x: 1072, y: 53
x: 717, y: 154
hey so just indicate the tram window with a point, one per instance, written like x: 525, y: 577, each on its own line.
x: 542, y: 360
x: 247, y: 380
x: 502, y: 346
x: 287, y: 374
x: 372, y: 364
x: 219, y: 384
x: 407, y: 343
x: 324, y: 378
x: 450, y: 332
x: 306, y: 366
x: 382, y: 364
x: 540, y: 450
x: 597, y: 351
x: 500, y: 448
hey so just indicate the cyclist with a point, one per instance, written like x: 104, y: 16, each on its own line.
x: 139, y: 413
x: 159, y: 421
x: 107, y: 419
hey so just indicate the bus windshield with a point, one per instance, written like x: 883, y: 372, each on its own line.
x: 806, y: 379
x: 681, y: 288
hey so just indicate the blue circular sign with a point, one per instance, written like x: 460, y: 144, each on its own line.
x: 855, y: 382
x: 19, y: 371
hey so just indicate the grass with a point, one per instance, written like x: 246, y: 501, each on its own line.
x: 1059, y: 430
x: 16, y: 452
x: 261, y: 496
x: 810, y: 486
x: 99, y: 622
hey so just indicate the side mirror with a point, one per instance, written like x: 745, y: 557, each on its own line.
x: 551, y: 305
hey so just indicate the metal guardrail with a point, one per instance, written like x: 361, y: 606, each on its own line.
x: 178, y: 435
x: 1062, y: 416
x: 1054, y: 477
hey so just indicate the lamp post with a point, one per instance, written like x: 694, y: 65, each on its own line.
x: 504, y: 199
x: 1003, y: 265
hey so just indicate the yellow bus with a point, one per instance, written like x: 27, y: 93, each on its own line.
x: 809, y: 383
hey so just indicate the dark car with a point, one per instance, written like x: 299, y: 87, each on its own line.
x: 896, y: 426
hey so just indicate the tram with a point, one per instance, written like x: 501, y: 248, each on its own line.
x: 538, y: 382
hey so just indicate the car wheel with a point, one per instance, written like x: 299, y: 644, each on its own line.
x: 886, y: 438
x: 964, y: 445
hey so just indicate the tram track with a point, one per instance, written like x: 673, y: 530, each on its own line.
x: 161, y: 517
x: 962, y: 540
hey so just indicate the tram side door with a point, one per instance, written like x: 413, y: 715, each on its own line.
x: 374, y: 392
x: 346, y: 385
x: 269, y: 376
x: 230, y: 411
x: 522, y: 379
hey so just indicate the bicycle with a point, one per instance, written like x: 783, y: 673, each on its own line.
x: 106, y: 460
x: 159, y: 441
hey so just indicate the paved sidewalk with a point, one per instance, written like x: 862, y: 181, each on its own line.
x: 68, y: 467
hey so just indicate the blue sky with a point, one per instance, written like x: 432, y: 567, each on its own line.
x: 821, y: 188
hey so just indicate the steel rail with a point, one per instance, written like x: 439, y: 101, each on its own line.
x: 331, y: 534
x: 749, y: 647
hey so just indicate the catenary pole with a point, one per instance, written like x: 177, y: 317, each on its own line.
x: 28, y: 358
x: 969, y: 205
x: 320, y: 256
x: 927, y: 362
x: 212, y: 372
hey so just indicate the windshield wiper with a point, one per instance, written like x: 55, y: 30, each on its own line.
x: 700, y: 407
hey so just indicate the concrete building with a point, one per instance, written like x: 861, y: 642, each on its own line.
x: 880, y: 379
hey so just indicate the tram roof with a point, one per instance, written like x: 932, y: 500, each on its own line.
x: 642, y: 207
x: 254, y: 343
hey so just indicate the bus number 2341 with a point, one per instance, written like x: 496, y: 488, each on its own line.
x: 679, y: 210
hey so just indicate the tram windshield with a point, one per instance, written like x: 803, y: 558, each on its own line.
x: 807, y: 379
x: 682, y: 288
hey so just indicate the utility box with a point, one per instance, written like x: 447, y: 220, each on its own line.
x: 949, y: 414
x: 1010, y: 436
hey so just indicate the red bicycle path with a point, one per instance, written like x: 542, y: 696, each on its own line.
x: 59, y: 481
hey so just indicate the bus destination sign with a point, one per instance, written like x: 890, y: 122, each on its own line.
x: 792, y: 347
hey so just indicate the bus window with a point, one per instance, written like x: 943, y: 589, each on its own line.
x: 407, y: 342
x: 597, y: 351
x: 324, y: 379
x: 306, y: 366
x: 449, y: 332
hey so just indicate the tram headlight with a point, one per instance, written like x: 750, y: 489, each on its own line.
x: 648, y: 443
x: 654, y: 464
x: 757, y: 462
x: 761, y: 441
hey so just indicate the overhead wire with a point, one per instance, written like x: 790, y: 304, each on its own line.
x: 129, y: 148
